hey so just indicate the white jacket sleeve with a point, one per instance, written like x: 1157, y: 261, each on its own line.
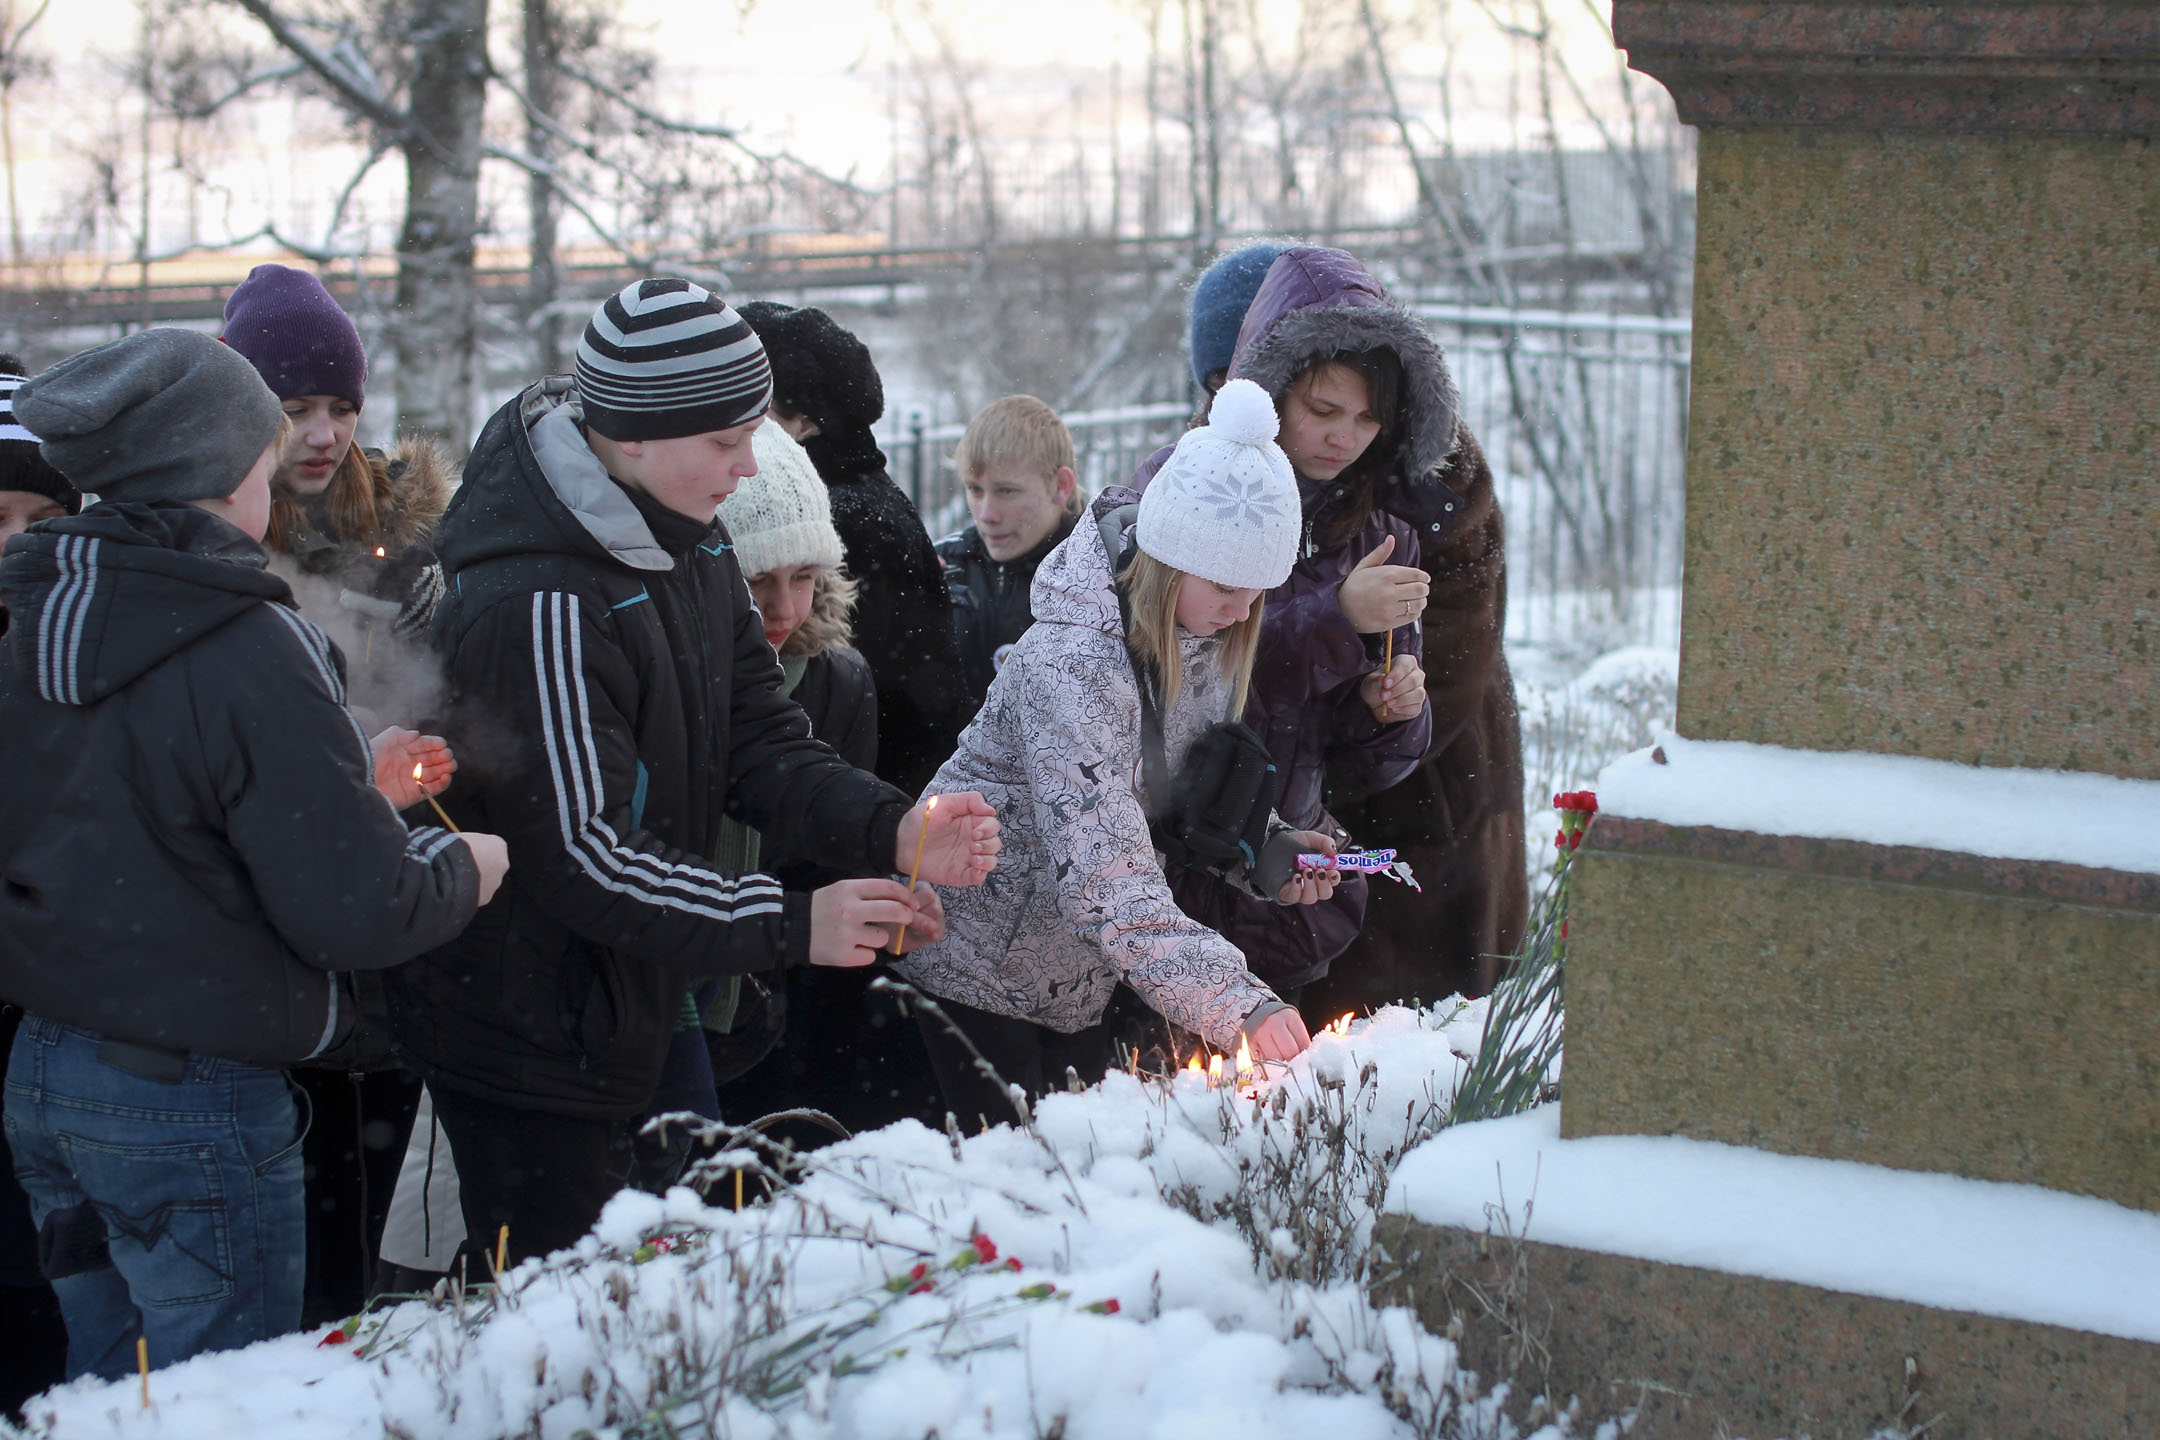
x: 1083, y: 752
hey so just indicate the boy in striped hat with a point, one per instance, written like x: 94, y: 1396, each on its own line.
x: 613, y: 696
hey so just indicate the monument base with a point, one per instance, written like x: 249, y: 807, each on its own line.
x: 1701, y: 1353
x: 1893, y: 1005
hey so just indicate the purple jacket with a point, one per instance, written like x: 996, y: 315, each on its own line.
x: 1304, y: 699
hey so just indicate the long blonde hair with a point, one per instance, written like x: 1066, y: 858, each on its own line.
x: 1151, y: 595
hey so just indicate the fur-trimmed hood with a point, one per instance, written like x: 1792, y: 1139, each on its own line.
x: 1318, y: 302
x: 413, y: 480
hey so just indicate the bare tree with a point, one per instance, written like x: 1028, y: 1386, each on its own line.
x: 16, y: 65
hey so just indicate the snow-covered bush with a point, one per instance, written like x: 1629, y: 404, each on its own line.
x: 1145, y: 1257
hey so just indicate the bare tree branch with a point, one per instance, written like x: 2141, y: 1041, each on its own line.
x: 337, y: 211
x: 326, y: 67
x: 208, y: 108
x: 553, y: 174
x: 727, y: 133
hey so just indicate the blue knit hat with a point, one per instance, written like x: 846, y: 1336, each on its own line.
x: 1219, y: 303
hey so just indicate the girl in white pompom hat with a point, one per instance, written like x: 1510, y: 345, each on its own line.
x: 1103, y: 730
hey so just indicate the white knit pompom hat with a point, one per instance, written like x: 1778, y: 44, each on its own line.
x: 781, y: 516
x: 1224, y: 506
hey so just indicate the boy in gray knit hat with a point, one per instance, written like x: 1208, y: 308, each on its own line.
x: 194, y: 846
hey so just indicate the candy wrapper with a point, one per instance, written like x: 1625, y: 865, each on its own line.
x: 1362, y: 862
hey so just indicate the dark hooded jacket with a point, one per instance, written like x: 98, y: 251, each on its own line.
x: 190, y: 834
x: 612, y: 695
x: 1305, y: 698
x: 903, y: 614
x: 1458, y: 819
x: 991, y: 609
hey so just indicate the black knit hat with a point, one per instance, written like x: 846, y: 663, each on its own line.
x: 23, y: 465
x: 820, y: 369
x: 666, y: 358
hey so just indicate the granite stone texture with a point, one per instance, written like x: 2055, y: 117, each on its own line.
x: 1924, y: 459
x: 1700, y: 1354
x: 2067, y: 66
x: 1897, y: 1008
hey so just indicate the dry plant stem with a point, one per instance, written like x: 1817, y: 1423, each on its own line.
x: 908, y: 995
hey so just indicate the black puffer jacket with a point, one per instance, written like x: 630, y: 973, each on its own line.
x: 611, y: 694
x: 991, y: 608
x: 190, y: 835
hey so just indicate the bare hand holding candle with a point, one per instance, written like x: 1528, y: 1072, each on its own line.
x: 922, y: 833
x: 954, y: 841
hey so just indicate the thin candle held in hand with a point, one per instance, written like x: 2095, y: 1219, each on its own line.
x: 440, y: 813
x: 1387, y: 667
x: 900, y: 945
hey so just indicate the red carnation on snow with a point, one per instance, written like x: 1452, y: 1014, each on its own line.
x: 984, y: 1250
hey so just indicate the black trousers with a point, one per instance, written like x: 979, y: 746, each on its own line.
x: 1023, y: 1053
x: 545, y: 1176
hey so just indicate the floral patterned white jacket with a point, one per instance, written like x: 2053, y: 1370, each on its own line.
x: 1078, y: 900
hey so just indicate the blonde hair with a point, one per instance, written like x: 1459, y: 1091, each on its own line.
x: 1017, y: 430
x: 1151, y: 595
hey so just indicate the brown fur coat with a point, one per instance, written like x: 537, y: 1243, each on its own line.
x: 1458, y: 819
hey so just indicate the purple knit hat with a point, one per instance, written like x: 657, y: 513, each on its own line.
x: 298, y: 339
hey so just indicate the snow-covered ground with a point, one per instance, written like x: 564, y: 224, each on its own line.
x: 1148, y: 1259
x: 1162, y: 1259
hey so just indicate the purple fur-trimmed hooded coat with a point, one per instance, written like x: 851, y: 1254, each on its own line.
x: 1305, y: 702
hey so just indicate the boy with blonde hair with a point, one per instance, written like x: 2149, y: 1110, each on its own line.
x: 1016, y: 464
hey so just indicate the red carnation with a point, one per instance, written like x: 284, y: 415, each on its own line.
x: 984, y: 1250
x: 1109, y: 1307
x: 918, y: 1272
x: 923, y: 1288
x: 1012, y: 1262
x: 335, y: 1337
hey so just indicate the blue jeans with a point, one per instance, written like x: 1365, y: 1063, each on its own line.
x: 193, y: 1187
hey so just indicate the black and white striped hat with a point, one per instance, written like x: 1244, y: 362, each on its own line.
x: 22, y: 465
x: 665, y: 358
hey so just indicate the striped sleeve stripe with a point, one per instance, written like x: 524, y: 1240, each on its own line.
x: 317, y: 646
x: 60, y: 627
x: 428, y: 841
x: 574, y: 769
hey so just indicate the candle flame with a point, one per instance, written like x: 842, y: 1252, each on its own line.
x: 1244, y: 1057
x: 1214, y: 1069
x: 380, y: 553
x: 1341, y: 1025
x: 1194, y: 1065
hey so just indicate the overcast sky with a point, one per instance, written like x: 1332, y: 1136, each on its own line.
x: 811, y: 76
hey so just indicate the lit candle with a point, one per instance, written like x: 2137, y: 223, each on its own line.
x: 443, y: 814
x: 900, y: 946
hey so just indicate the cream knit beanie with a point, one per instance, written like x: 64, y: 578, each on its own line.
x: 1225, y: 506
x: 781, y: 516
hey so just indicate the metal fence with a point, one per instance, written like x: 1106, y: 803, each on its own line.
x: 1583, y: 418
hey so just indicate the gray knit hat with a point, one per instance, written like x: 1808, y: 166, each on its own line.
x: 160, y: 415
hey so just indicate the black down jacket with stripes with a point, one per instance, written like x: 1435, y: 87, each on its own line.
x: 612, y: 694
